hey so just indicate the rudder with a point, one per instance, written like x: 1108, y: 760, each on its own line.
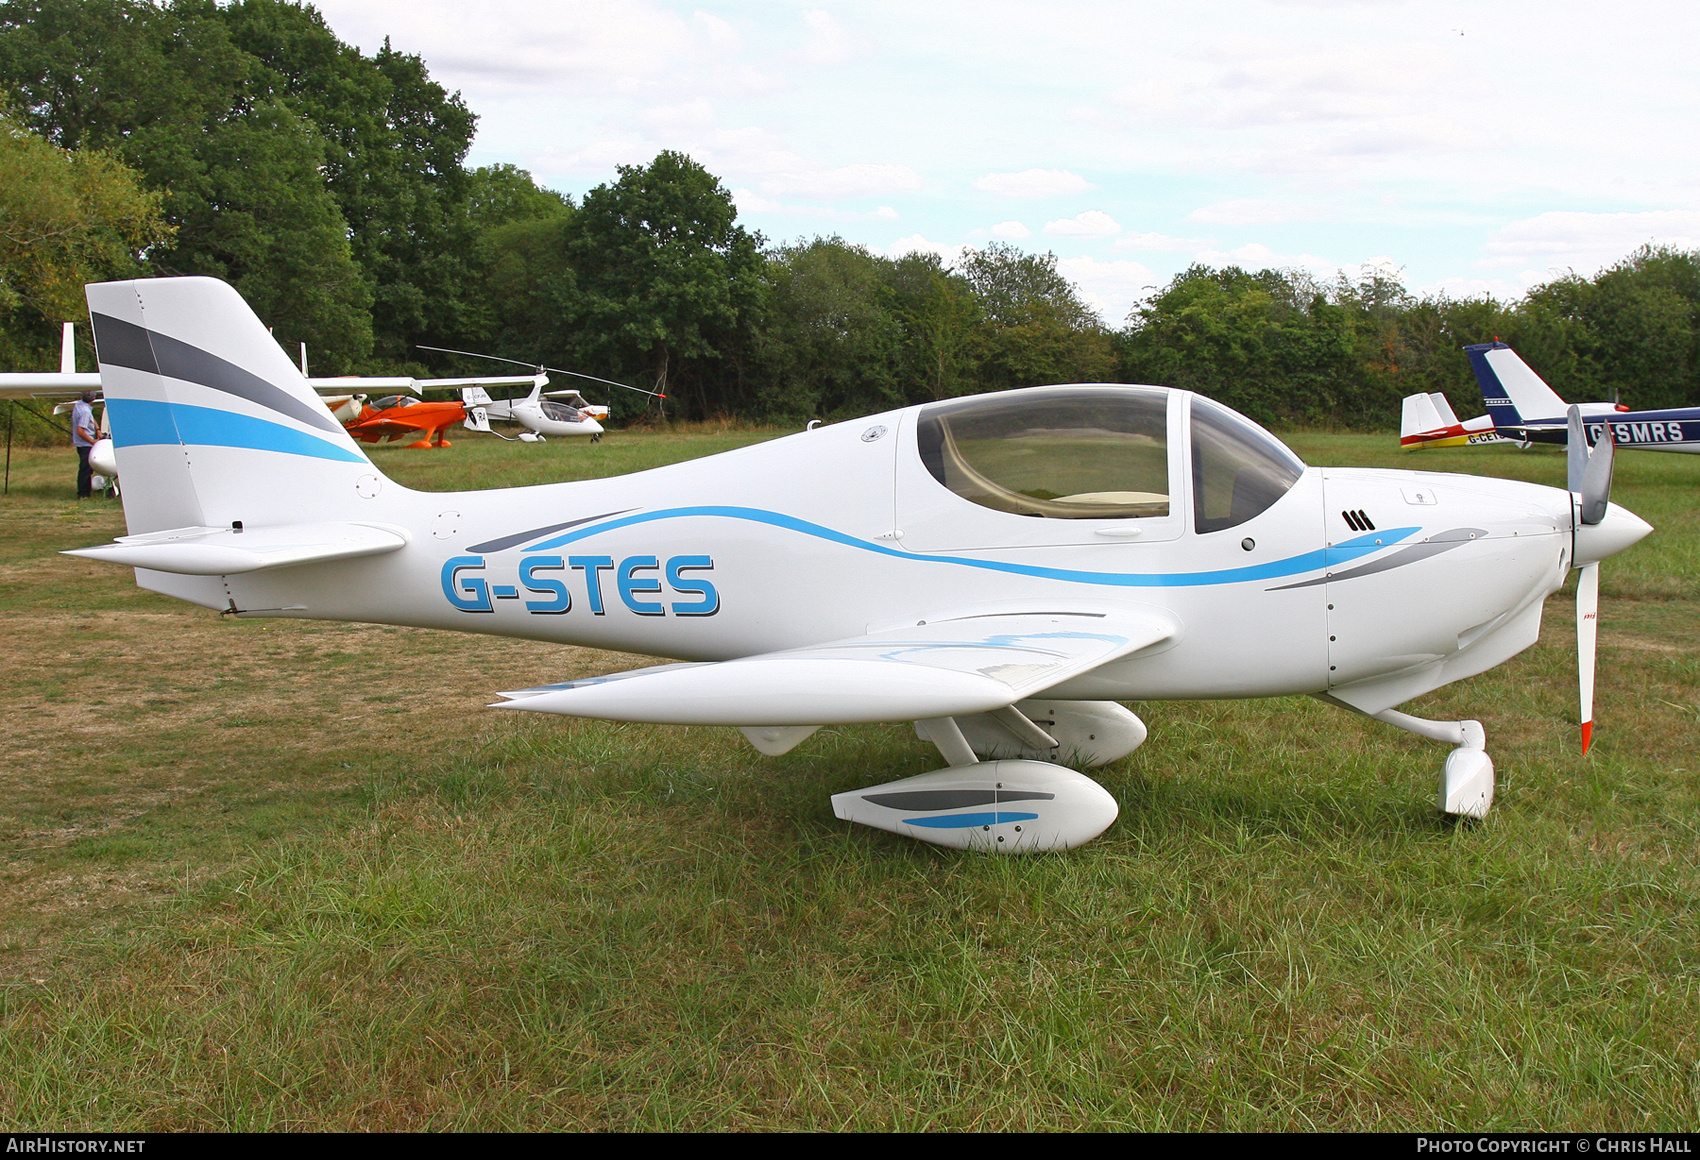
x: 1512, y: 393
x: 212, y: 423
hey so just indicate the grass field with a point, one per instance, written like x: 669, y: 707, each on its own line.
x: 294, y: 875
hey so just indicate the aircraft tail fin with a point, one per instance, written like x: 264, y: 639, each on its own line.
x: 212, y: 422
x: 1511, y: 391
x: 1417, y: 417
x: 1448, y: 417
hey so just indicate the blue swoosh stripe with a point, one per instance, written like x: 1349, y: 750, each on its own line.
x: 137, y: 422
x: 1292, y: 566
x: 967, y: 821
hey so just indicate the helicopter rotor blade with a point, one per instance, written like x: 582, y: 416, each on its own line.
x: 540, y: 368
x: 610, y: 382
x: 474, y: 354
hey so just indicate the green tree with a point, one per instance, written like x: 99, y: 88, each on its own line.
x: 394, y: 143
x: 519, y: 256
x: 1267, y: 344
x: 941, y: 318
x: 253, y: 213
x: 1035, y: 329
x: 169, y: 92
x: 1632, y: 332
x: 664, y: 286
x: 364, y: 191
x: 65, y: 219
x: 833, y: 342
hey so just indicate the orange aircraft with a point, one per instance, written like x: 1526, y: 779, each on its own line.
x: 396, y: 417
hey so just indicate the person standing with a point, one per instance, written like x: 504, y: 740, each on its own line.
x: 84, y: 435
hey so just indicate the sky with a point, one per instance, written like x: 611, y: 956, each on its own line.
x: 1473, y: 147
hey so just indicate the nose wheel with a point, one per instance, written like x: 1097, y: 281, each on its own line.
x: 1466, y: 780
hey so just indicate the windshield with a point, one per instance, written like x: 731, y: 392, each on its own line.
x: 1239, y: 470
x: 1055, y: 452
x: 560, y: 413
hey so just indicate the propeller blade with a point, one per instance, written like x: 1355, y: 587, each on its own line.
x: 1596, y: 478
x: 1587, y: 629
x: 1576, y: 450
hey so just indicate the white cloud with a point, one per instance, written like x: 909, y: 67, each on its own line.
x: 1247, y: 212
x: 1587, y: 241
x: 919, y: 244
x: 1111, y: 288
x: 1257, y: 256
x: 811, y: 179
x: 750, y: 202
x: 684, y: 117
x: 1011, y: 230
x: 757, y: 158
x: 1507, y: 289
x: 1093, y: 223
x: 828, y: 43
x: 1160, y: 243
x: 1034, y: 183
x: 599, y: 157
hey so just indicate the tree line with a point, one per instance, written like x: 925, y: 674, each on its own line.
x: 246, y: 141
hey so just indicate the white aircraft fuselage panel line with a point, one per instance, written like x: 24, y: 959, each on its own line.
x: 937, y: 563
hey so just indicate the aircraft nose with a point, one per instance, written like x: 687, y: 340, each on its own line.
x: 1617, y: 530
x: 592, y: 426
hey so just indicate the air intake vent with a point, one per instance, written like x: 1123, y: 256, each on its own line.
x: 1358, y: 521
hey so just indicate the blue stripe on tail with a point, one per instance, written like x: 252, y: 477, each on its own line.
x: 138, y: 422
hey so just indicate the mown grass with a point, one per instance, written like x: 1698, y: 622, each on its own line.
x: 268, y: 875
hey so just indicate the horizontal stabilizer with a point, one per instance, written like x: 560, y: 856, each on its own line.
x: 941, y: 668
x: 229, y: 551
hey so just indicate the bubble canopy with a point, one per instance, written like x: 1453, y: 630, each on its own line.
x: 1100, y: 452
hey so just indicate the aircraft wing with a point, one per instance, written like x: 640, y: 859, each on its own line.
x: 46, y: 385
x: 939, y: 668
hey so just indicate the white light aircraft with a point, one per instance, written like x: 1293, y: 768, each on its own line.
x: 1523, y: 409
x: 1000, y: 569
x: 1427, y: 420
x: 558, y: 413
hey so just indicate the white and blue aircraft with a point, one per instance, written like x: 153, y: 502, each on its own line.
x: 1000, y: 570
x: 1524, y: 408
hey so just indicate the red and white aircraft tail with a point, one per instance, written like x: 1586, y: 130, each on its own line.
x: 1429, y: 421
